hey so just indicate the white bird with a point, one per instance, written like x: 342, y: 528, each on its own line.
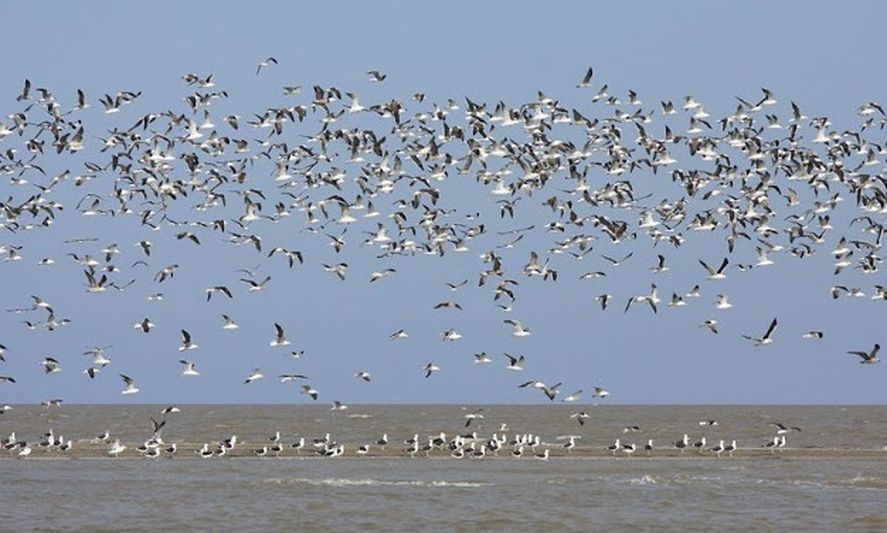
x: 255, y: 375
x: 573, y: 397
x: 364, y: 376
x: 429, y: 369
x: 515, y: 363
x: 266, y: 63
x: 189, y: 369
x: 187, y: 344
x: 451, y: 335
x: 517, y: 329
x: 228, y: 323
x: 116, y: 449
x: 399, y: 334
x: 482, y: 358
x: 50, y: 365
x: 652, y: 299
x: 145, y: 325
x: 716, y: 274
x: 711, y: 324
x: 766, y: 338
x: 130, y: 386
x: 586, y: 80
x: 280, y: 337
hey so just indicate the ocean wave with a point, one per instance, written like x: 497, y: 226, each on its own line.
x: 348, y: 482
x: 643, y: 480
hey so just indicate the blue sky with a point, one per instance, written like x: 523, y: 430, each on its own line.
x: 823, y: 56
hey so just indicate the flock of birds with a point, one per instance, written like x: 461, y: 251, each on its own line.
x: 766, y: 184
x: 458, y: 446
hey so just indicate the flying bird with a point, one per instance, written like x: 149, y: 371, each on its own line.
x: 869, y: 358
x: 764, y: 339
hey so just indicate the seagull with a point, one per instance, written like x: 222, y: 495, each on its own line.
x: 722, y: 302
x: 280, y: 337
x: 286, y: 378
x: 255, y: 286
x: 376, y: 76
x: 218, y: 289
x: 310, y: 391
x: 619, y: 262
x: 600, y: 392
x: 116, y: 449
x: 716, y: 274
x: 683, y: 443
x: 429, y: 369
x: 228, y: 323
x: 189, y: 369
x: 782, y: 429
x: 550, y: 392
x: 339, y: 270
x: 255, y: 375
x: 186, y: 342
x: 813, y: 334
x: 50, y: 365
x: 651, y: 299
x: 711, y: 324
x: 586, y: 80
x: 266, y: 63
x: 580, y: 417
x: 130, y: 386
x: 456, y: 286
x: 364, y: 376
x: 517, y: 329
x: 399, y: 334
x: 766, y: 338
x: 170, y: 409
x: 730, y: 448
x: 869, y: 358
x: 145, y: 325
x: 471, y: 417
x: 515, y: 363
x: 482, y: 358
x: 573, y: 397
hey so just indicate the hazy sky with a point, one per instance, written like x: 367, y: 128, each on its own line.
x: 825, y: 57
